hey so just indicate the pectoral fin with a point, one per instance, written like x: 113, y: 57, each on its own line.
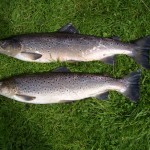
x: 108, y: 60
x: 32, y: 56
x: 25, y: 97
x: 103, y: 96
x: 68, y: 28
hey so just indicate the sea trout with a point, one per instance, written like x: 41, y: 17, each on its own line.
x: 60, y: 86
x: 68, y: 45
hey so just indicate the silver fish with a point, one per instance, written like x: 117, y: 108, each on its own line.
x: 68, y: 45
x: 60, y: 86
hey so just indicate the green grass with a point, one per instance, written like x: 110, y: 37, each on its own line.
x: 90, y: 124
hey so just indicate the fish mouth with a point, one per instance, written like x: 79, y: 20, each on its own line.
x: 2, y: 50
x: 1, y: 44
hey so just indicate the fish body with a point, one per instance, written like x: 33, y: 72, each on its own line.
x: 68, y: 45
x: 58, y: 87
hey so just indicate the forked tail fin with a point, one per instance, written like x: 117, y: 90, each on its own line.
x: 131, y: 84
x: 141, y: 53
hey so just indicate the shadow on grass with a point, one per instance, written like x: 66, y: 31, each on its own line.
x: 17, y: 129
x: 5, y: 21
x: 4, y: 27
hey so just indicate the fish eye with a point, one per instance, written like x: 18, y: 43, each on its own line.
x: 4, y: 44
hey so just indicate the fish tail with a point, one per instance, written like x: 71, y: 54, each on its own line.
x: 131, y: 86
x: 141, y: 52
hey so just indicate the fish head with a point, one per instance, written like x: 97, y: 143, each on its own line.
x: 10, y: 47
x: 7, y: 88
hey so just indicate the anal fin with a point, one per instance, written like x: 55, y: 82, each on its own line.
x: 66, y: 101
x: 103, y: 96
x: 108, y: 60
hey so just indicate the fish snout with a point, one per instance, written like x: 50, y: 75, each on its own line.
x: 10, y: 47
x: 7, y: 89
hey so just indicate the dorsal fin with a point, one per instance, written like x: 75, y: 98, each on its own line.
x: 68, y: 28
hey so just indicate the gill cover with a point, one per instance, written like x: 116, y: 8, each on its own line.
x: 10, y: 46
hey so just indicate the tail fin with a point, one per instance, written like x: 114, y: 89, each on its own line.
x: 141, y: 53
x: 131, y: 84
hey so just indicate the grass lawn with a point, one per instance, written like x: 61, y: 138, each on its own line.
x: 116, y: 124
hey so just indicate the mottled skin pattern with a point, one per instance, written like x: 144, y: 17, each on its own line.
x: 63, y: 47
x: 57, y: 87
